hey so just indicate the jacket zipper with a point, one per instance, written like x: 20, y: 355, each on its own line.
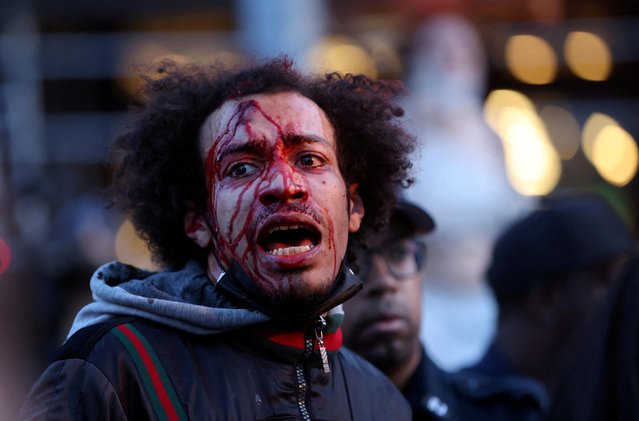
x: 302, y: 385
x: 319, y: 335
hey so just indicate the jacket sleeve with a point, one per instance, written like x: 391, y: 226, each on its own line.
x: 72, y: 389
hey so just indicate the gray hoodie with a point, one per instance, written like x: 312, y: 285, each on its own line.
x: 184, y: 299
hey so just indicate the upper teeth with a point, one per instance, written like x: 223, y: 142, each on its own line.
x: 284, y: 228
x: 290, y: 250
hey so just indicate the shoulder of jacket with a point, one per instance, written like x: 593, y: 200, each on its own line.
x: 371, y: 394
x: 349, y: 357
x: 367, y: 375
x: 353, y: 362
x: 431, y: 392
x: 81, y: 343
x: 514, y: 390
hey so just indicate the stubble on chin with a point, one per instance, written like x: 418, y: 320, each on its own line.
x: 294, y: 292
x: 386, y: 355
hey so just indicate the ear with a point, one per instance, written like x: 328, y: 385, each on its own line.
x: 196, y: 228
x: 356, y: 208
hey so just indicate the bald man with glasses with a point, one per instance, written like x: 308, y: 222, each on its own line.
x: 382, y: 322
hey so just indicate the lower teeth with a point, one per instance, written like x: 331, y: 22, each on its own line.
x: 289, y: 250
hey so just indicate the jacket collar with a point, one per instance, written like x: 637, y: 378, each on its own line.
x: 239, y: 288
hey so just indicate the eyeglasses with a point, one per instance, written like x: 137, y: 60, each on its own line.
x: 403, y: 258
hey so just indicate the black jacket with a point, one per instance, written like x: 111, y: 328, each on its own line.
x: 491, y: 391
x: 601, y: 383
x: 135, y: 369
x: 430, y: 392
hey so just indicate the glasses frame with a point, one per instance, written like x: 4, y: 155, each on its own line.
x: 366, y: 265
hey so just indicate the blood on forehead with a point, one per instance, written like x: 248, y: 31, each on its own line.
x: 229, y: 132
x: 221, y: 145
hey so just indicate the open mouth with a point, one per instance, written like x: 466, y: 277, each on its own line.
x: 286, y: 240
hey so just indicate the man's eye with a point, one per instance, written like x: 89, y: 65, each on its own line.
x: 241, y: 169
x: 310, y: 161
x: 398, y: 253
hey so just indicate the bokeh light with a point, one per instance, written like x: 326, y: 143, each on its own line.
x: 531, y: 59
x: 503, y: 99
x: 588, y: 56
x: 563, y: 129
x: 532, y: 163
x: 593, y: 126
x: 343, y: 55
x: 614, y: 155
x: 131, y: 249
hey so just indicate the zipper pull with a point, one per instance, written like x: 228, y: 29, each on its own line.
x: 319, y: 335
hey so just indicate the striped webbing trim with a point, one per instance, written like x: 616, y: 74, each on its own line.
x: 156, y: 382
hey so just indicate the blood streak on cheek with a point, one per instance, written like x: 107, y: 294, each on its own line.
x: 228, y: 241
x: 211, y: 171
x: 331, y: 242
x: 234, y: 239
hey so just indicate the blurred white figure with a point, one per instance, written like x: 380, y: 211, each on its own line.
x: 461, y: 180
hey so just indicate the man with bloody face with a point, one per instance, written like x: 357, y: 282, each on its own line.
x: 255, y: 189
x: 278, y: 203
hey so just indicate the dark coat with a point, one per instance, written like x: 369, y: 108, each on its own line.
x: 491, y: 391
x: 131, y: 368
x: 430, y: 392
x: 602, y: 380
x: 231, y: 376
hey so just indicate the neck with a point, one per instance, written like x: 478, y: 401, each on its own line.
x: 401, y: 374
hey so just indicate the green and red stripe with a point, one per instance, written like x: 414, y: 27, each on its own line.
x: 157, y: 383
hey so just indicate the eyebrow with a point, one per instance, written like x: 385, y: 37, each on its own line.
x: 259, y: 146
x: 253, y: 146
x: 297, y: 139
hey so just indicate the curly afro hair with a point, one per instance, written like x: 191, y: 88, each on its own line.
x: 158, y: 170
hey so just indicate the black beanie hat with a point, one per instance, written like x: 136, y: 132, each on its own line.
x: 567, y: 233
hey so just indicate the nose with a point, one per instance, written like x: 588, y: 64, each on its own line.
x: 379, y: 280
x: 283, y: 185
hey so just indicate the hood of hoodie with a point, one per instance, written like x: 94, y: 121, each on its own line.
x: 187, y: 300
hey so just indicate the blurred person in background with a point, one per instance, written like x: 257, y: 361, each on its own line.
x: 382, y: 323
x: 249, y: 185
x: 550, y: 272
x: 460, y: 163
x: 601, y: 382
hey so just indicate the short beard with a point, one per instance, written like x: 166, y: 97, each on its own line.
x: 386, y: 356
x: 299, y: 300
